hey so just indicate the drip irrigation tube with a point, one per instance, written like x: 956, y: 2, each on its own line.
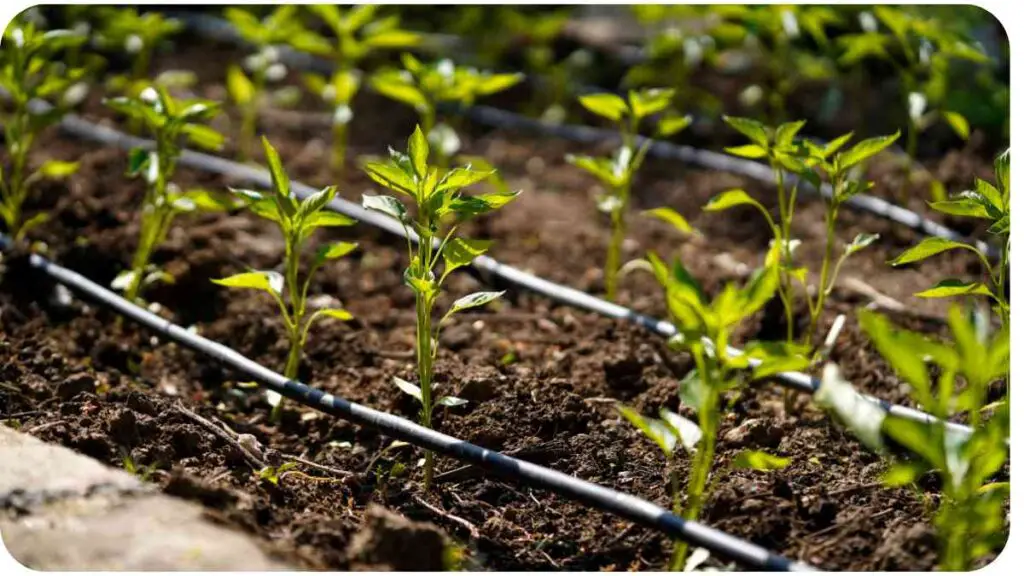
x: 630, y: 507
x: 490, y: 270
x: 222, y: 30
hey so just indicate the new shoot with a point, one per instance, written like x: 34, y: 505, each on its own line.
x: 440, y: 209
x: 297, y: 220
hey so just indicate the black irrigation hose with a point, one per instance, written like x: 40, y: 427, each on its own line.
x: 222, y: 30
x: 490, y: 269
x: 630, y: 507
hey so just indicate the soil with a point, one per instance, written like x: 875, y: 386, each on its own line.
x: 541, y: 378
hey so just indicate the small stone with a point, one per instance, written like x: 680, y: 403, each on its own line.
x: 75, y: 385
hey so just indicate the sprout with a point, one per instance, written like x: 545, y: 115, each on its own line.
x: 297, y: 220
x: 439, y: 201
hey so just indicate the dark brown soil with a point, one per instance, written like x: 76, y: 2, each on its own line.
x: 540, y: 377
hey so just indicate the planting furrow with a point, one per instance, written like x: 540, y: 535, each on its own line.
x: 221, y: 30
x: 490, y: 270
x: 624, y: 505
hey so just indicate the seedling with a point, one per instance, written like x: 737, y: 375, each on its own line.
x: 970, y: 521
x: 439, y: 203
x: 704, y: 329
x: 248, y: 90
x: 171, y: 123
x: 987, y: 201
x: 28, y: 72
x: 426, y: 86
x: 297, y: 220
x: 617, y: 172
x: 358, y: 33
x: 921, y: 51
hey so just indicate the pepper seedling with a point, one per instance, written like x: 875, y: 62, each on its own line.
x: 704, y: 329
x: 920, y: 50
x: 264, y: 35
x: 138, y: 36
x: 357, y: 34
x: 297, y: 220
x: 426, y: 86
x: 970, y: 521
x: 987, y: 201
x: 617, y: 172
x: 27, y: 73
x: 171, y: 123
x: 439, y: 203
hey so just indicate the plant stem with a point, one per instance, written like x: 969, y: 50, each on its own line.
x: 679, y: 550
x: 340, y: 147
x: 784, y: 254
x: 614, y: 258
x: 823, y: 282
x: 425, y: 348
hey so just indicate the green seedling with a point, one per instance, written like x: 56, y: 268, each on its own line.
x: 426, y: 86
x: 357, y: 34
x: 274, y: 474
x: 704, y: 329
x: 970, y: 521
x: 439, y: 204
x: 617, y: 172
x: 839, y: 168
x: 27, y: 73
x: 987, y: 201
x: 138, y: 36
x: 297, y: 220
x: 248, y: 90
x: 920, y: 50
x: 171, y: 123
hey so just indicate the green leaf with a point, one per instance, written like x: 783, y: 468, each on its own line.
x: 391, y: 177
x: 958, y: 123
x: 965, y: 206
x: 315, y: 202
x: 990, y: 194
x: 670, y: 216
x: 460, y: 178
x: 386, y: 205
x: 258, y: 280
x: 277, y: 173
x: 607, y: 106
x: 393, y: 39
x: 240, y: 88
x: 58, y: 169
x: 758, y: 460
x: 468, y: 206
x: 730, y: 199
x: 928, y: 247
x: 900, y: 352
x: 409, y: 388
x: 920, y: 438
x: 670, y: 125
x: 451, y: 402
x: 650, y: 101
x: 458, y: 252
x: 334, y: 251
x: 752, y: 151
x: 864, y: 150
x: 419, y: 151
x: 203, y: 136
x: 693, y: 391
x: 773, y: 366
x: 759, y: 290
x: 473, y: 300
x: 336, y: 313
x: 655, y: 430
x: 395, y: 89
x: 752, y: 129
x: 859, y: 243
x: 326, y: 219
x: 902, y: 474
x: 496, y: 83
x: 785, y: 133
x: 834, y: 145
x: 951, y: 287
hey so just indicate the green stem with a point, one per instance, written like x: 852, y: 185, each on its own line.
x: 614, y: 258
x: 823, y: 281
x: 784, y: 254
x: 424, y: 346
x: 340, y: 147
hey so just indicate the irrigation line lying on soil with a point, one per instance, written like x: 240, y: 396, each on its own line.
x: 621, y: 504
x: 489, y: 269
x: 221, y: 30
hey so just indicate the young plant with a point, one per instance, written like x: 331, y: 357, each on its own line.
x: 27, y: 73
x: 248, y: 90
x: 617, y: 172
x: 138, y: 35
x: 426, y: 86
x: 439, y: 204
x: 297, y: 220
x: 987, y: 201
x: 704, y: 329
x: 357, y: 34
x: 921, y: 50
x: 839, y: 168
x: 170, y: 123
x: 970, y: 520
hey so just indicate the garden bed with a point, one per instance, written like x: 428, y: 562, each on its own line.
x: 538, y: 376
